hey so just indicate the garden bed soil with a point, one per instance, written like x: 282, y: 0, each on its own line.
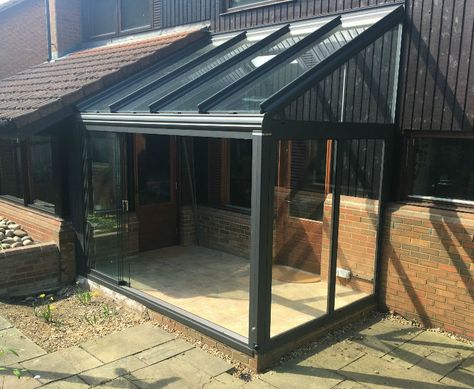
x: 73, y: 321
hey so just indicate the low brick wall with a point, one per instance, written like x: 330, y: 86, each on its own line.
x: 46, y: 229
x: 358, y: 219
x: 428, y: 266
x: 219, y: 229
x: 29, y: 270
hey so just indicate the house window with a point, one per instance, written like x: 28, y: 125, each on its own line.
x: 41, y: 172
x: 27, y: 172
x: 307, y: 172
x: 11, y: 176
x: 107, y: 18
x: 230, y: 5
x: 442, y: 169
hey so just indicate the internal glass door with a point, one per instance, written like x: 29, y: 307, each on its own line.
x: 107, y: 206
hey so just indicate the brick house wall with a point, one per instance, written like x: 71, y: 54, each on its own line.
x: 66, y: 25
x: 22, y: 47
x: 428, y: 266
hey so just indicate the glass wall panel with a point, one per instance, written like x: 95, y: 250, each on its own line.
x: 105, y: 210
x: 193, y: 253
x: 358, y: 219
x: 301, y: 237
x: 42, y: 182
x: 135, y: 14
x: 11, y: 178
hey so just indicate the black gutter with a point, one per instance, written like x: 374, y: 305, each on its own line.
x: 331, y: 63
x: 271, y: 38
x: 266, y: 67
x: 114, y: 107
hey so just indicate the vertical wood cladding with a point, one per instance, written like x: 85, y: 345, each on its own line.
x: 180, y: 12
x: 286, y: 11
x: 438, y: 86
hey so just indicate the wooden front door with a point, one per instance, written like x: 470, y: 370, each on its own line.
x: 156, y: 191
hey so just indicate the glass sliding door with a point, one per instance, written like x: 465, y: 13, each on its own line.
x: 107, y: 205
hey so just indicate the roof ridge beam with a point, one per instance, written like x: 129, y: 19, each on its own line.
x: 267, y: 66
x: 220, y: 68
x: 332, y: 62
x: 115, y: 106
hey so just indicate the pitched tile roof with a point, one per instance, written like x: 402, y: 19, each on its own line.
x: 50, y: 88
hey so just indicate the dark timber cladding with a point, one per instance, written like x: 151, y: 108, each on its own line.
x: 178, y: 12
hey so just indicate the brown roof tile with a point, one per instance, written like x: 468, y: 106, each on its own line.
x: 49, y: 88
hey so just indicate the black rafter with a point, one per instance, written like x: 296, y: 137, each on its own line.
x: 181, y: 91
x: 117, y: 105
x: 269, y: 65
x: 334, y: 61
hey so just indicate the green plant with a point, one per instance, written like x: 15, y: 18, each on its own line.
x: 84, y: 296
x: 45, y: 308
x: 92, y: 320
x: 16, y: 372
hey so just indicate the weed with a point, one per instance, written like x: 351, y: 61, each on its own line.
x: 45, y: 308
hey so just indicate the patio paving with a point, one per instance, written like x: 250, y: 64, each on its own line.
x: 377, y: 353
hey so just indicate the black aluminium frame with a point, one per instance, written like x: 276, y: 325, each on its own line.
x: 264, y: 133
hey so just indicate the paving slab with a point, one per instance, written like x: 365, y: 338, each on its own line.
x: 173, y: 373
x: 10, y: 381
x: 257, y: 383
x: 61, y: 364
x: 127, y: 342
x: 437, y: 365
x: 205, y: 362
x: 4, y: 323
x: 443, y: 344
x: 459, y: 378
x: 164, y: 351
x: 25, y: 348
x: 298, y: 376
x: 119, y: 383
x: 408, y: 354
x: 112, y: 370
x: 382, y: 337
x: 378, y: 373
x: 348, y: 384
x: 468, y: 364
x: 334, y: 356
x: 224, y: 380
x: 73, y: 382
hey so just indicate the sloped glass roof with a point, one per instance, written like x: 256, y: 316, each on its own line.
x: 238, y: 72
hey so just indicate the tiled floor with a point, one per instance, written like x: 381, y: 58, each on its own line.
x: 215, y: 286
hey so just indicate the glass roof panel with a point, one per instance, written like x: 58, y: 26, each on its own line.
x: 154, y: 73
x: 142, y: 104
x: 248, y: 98
x: 190, y: 101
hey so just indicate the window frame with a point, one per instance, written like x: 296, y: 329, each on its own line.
x: 407, y: 170
x: 228, y: 9
x: 87, y: 21
x: 28, y: 200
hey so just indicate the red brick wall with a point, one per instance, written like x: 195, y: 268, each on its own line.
x: 66, y: 25
x: 428, y: 266
x: 29, y: 270
x: 23, y: 37
x: 46, y: 228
